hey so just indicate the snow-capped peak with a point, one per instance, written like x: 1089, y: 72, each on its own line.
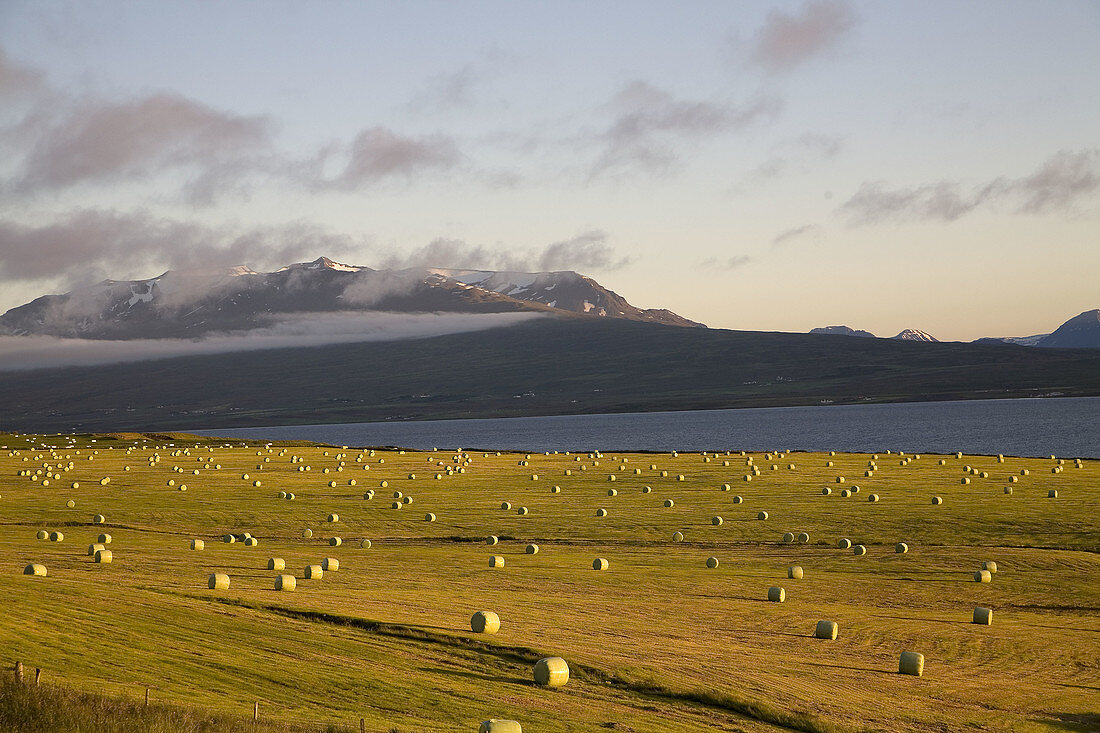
x: 321, y: 263
x: 912, y: 334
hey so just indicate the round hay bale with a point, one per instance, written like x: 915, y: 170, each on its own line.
x: 726, y: 487
x: 964, y: 480
x: 872, y: 498
x: 911, y: 663
x: 429, y: 517
x: 859, y: 550
x: 669, y: 503
x: 504, y: 505
x: 795, y: 572
x: 398, y: 495
x: 826, y: 491
x: 1013, y: 479
x: 610, y: 477
x: 828, y: 464
x: 70, y: 503
x: 762, y: 516
x: 748, y: 477
x: 612, y: 492
x: 601, y: 512
x: 555, y: 489
x: 251, y: 542
x: 42, y: 534
x: 330, y: 564
x: 677, y: 536
x: 1008, y: 489
x: 983, y: 616
x: 492, y: 539
x: 396, y: 505
x: 99, y: 519
x: 788, y: 537
x: 485, y: 622
x: 989, y: 565
x: 282, y: 494
x: 289, y: 496
x: 983, y: 576
x: 680, y: 477
x: 285, y: 582
x: 1024, y: 472
x: 523, y: 511
x: 406, y: 500
x: 307, y: 533
x: 496, y: 561
x: 314, y: 572
x: 840, y: 479
x: 716, y: 521
x: 599, y: 564
x: 825, y: 630
x: 368, y: 495
x: 1052, y: 494
x: 35, y: 569
x: 712, y: 562
x: 845, y: 493
x: 777, y: 594
x: 647, y: 489
x: 335, y: 541
x: 94, y: 548
x: 901, y: 548
x: 57, y: 537
x: 551, y: 672
x: 276, y: 563
x: 104, y: 539
x: 229, y: 538
x: 803, y: 537
x: 103, y: 556
x: 844, y: 543
x: 494, y: 725
x: 738, y: 499
x: 532, y: 549
x: 364, y: 543
x: 937, y: 499
x: 218, y: 581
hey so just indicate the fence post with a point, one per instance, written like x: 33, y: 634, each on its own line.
x: 18, y: 671
x: 362, y: 725
x: 255, y: 711
x: 37, y: 675
x: 146, y: 697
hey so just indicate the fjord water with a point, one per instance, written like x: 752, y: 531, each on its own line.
x: 1068, y: 427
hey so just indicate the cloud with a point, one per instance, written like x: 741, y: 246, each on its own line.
x: 729, y: 263
x: 1061, y: 182
x: 16, y: 79
x: 448, y: 91
x: 379, y: 152
x: 788, y: 40
x: 586, y: 252
x: 790, y: 235
x: 799, y: 155
x: 83, y: 244
x: 650, y: 122
x: 293, y: 330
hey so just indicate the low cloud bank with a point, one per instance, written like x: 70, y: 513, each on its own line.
x: 19, y: 353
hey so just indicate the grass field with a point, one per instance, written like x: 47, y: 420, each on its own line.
x: 657, y: 643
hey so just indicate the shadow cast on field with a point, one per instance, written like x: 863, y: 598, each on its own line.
x: 478, y: 676
x: 1087, y: 722
x: 872, y: 670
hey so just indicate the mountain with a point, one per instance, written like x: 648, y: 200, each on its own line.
x: 189, y: 304
x: 842, y: 331
x: 542, y: 366
x: 1017, y: 340
x: 1080, y: 332
x: 912, y: 334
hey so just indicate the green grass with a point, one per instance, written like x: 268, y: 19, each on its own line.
x: 657, y: 643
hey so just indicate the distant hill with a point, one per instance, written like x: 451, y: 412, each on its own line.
x: 1080, y: 332
x: 842, y: 331
x: 912, y: 334
x: 189, y: 304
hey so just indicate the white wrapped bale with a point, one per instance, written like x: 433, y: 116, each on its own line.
x: 314, y: 572
x: 494, y: 725
x: 523, y: 511
x: 57, y: 536
x: 601, y: 512
x: 99, y: 519
x: 872, y: 498
x: 285, y: 582
x: 901, y: 548
x: 716, y: 521
x: 669, y: 503
x: 777, y: 594
x: 251, y: 542
x: 94, y: 548
x: 330, y: 564
x: 937, y: 500
x: 334, y: 517
x: 364, y: 543
x: 795, y: 572
x: 599, y: 564
x: 983, y: 616
x: 844, y: 543
x: 335, y: 541
x: 218, y: 581
x: 496, y: 561
x: 429, y: 517
x: 738, y: 500
x: 989, y: 565
x: 42, y: 534
x: 276, y: 563
x: 911, y: 663
x: 788, y: 537
x: 825, y: 630
x: 551, y: 672
x: 1008, y: 489
x: 35, y: 569
x: 677, y: 536
x: 712, y: 562
x: 229, y: 538
x: 826, y: 491
x: 803, y: 537
x: 104, y: 556
x: 983, y: 576
x: 485, y: 622
x: 198, y: 545
x: 1052, y: 494
x: 859, y: 550
x: 762, y: 516
x: 492, y: 539
x: 307, y: 533
x: 532, y: 549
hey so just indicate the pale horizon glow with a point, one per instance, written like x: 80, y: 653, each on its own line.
x: 773, y: 166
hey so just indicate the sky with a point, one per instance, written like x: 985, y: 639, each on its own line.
x: 771, y: 166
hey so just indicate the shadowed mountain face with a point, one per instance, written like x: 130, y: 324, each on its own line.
x: 842, y: 331
x: 194, y: 303
x: 1080, y: 332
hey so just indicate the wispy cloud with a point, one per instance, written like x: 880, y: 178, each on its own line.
x: 649, y: 124
x: 379, y: 153
x: 799, y: 155
x: 791, y: 235
x: 728, y: 263
x: 292, y: 330
x: 1062, y: 181
x: 587, y: 252
x: 788, y: 40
